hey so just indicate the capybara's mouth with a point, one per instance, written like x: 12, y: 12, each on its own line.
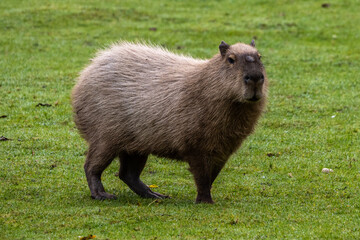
x: 253, y: 99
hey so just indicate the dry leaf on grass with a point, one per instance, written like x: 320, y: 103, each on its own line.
x: 87, y: 237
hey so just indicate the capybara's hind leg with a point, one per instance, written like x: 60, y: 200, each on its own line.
x: 96, y: 161
x: 131, y: 166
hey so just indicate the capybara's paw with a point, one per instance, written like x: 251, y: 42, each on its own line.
x: 103, y: 196
x: 204, y: 200
x: 158, y: 195
x: 151, y: 194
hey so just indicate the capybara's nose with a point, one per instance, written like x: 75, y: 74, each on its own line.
x: 254, y: 78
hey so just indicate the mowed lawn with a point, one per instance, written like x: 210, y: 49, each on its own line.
x: 272, y: 188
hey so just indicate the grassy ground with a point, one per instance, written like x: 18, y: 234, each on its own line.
x: 272, y: 188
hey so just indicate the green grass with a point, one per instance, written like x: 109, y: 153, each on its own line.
x: 312, y: 121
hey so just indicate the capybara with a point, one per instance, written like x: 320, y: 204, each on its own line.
x: 135, y: 99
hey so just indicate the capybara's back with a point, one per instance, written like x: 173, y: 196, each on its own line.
x: 134, y: 100
x: 125, y: 96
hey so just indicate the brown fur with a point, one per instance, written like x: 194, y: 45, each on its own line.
x: 134, y: 100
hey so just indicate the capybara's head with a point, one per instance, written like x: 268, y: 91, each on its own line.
x: 245, y: 73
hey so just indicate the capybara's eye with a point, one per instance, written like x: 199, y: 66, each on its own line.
x: 231, y: 60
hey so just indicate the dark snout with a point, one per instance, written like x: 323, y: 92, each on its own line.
x: 254, y: 78
x: 254, y: 82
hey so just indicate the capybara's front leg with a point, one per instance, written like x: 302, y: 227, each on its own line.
x: 131, y: 166
x: 204, y: 172
x: 96, y: 162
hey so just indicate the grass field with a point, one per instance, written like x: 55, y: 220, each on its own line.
x: 272, y: 188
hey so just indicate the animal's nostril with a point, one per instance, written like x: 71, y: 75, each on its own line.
x: 254, y: 78
x: 261, y: 79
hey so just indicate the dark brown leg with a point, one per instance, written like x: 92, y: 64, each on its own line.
x: 97, y: 160
x: 205, y: 174
x: 131, y: 167
x: 216, y: 168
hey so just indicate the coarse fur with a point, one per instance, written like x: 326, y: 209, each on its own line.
x: 135, y: 99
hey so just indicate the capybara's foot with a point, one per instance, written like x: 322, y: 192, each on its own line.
x: 140, y: 188
x: 204, y: 200
x: 103, y: 196
x: 151, y: 194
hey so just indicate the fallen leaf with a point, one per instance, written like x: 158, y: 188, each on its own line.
x: 290, y: 175
x: 2, y: 138
x: 43, y: 105
x: 87, y: 237
x: 273, y: 154
x: 153, y: 186
x: 153, y: 29
x: 325, y: 5
x: 52, y: 166
x: 234, y: 222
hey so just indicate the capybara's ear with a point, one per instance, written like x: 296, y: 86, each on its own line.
x: 252, y: 43
x: 223, y: 48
